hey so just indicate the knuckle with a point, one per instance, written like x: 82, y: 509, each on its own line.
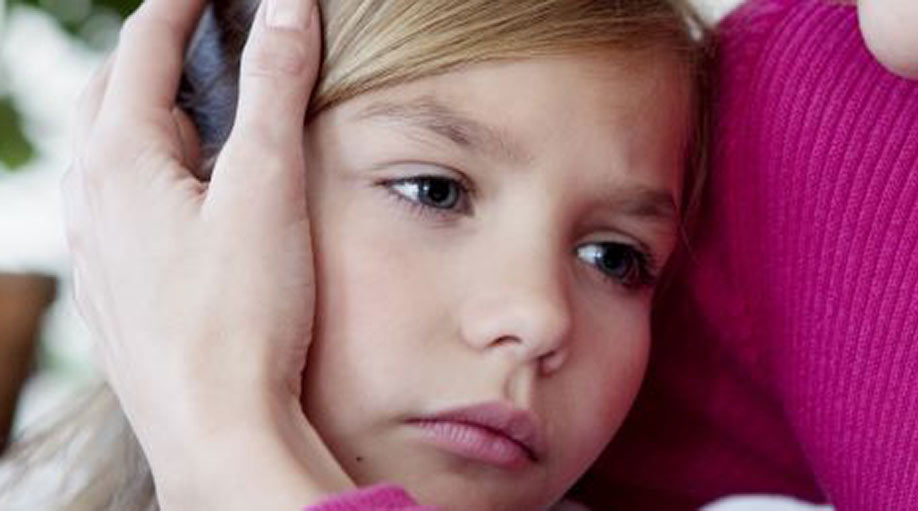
x: 275, y: 167
x: 92, y: 168
x: 129, y: 21
x: 86, y: 96
x: 109, y: 152
x: 83, y: 303
x: 133, y: 24
x: 68, y: 191
x: 73, y: 237
x: 79, y: 292
x: 71, y: 215
x: 249, y: 143
x: 276, y: 55
x: 259, y: 150
x: 142, y: 26
x: 67, y: 183
x: 257, y: 140
x: 100, y: 75
x: 89, y: 98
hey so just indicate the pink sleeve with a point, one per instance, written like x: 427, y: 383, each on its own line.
x: 786, y: 358
x: 383, y: 497
x: 819, y: 189
x: 820, y: 183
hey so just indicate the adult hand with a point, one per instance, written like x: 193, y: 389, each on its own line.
x: 201, y: 294
x: 890, y: 28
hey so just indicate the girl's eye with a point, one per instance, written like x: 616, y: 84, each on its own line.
x: 430, y: 191
x: 620, y: 262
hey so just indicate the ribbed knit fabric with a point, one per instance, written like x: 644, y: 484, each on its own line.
x: 786, y: 360
x: 383, y: 497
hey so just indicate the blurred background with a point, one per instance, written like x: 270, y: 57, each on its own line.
x: 48, y: 51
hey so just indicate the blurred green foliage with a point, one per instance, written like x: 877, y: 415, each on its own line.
x: 82, y: 19
x: 15, y: 148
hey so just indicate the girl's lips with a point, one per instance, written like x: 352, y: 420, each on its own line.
x: 474, y: 442
x: 495, y: 433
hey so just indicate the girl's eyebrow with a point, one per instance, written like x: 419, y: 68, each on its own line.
x: 428, y: 114
x: 641, y: 201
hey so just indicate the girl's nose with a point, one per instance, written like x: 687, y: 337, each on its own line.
x: 518, y: 303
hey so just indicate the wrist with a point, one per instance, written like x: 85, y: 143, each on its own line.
x: 271, y: 459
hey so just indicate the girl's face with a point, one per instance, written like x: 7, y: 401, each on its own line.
x: 491, y: 236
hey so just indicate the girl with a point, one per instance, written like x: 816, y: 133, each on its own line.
x: 493, y: 192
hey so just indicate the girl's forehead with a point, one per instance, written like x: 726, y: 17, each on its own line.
x: 608, y: 91
x: 621, y: 79
x: 610, y: 110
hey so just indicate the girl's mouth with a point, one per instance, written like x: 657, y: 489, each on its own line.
x: 495, y: 433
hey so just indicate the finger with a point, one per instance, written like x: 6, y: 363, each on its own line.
x: 191, y: 143
x: 98, y: 351
x: 149, y: 61
x: 71, y: 208
x: 888, y: 27
x: 77, y: 224
x: 279, y: 68
x: 89, y: 102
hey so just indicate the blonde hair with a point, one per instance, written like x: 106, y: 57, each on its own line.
x: 368, y: 45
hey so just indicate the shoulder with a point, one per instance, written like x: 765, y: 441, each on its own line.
x: 760, y: 27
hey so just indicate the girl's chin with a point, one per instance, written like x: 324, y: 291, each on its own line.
x: 449, y: 490
x: 437, y: 477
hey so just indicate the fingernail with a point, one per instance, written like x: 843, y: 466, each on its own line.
x: 292, y: 14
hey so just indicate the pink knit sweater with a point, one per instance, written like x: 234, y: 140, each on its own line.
x: 383, y: 497
x: 786, y: 358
